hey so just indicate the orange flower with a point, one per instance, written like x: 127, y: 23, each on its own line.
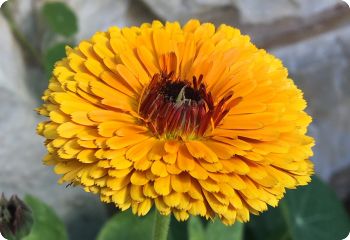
x: 195, y: 120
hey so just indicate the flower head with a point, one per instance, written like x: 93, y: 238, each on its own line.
x: 193, y: 119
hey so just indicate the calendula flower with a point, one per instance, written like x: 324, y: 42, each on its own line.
x: 195, y: 120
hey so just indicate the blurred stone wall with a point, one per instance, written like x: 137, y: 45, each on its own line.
x: 312, y: 37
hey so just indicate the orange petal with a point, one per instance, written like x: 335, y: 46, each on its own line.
x: 181, y: 182
x: 159, y: 168
x: 162, y: 185
x: 121, y: 142
x: 139, y: 150
x: 200, y: 150
x: 139, y: 178
x: 171, y: 146
x: 185, y: 161
x: 69, y: 129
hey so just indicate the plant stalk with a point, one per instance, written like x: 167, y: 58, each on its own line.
x: 26, y: 46
x: 161, y: 226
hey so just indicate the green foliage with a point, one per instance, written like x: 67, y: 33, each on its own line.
x: 52, y: 55
x: 307, y: 213
x: 62, y: 21
x: 314, y: 212
x: 268, y: 226
x: 60, y: 18
x: 214, y: 230
x: 126, y: 226
x: 46, y: 223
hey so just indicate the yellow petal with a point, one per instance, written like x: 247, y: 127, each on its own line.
x: 87, y: 156
x: 97, y: 172
x: 282, y: 176
x: 198, y: 208
x: 119, y: 173
x: 69, y: 129
x: 58, y: 117
x: 159, y: 168
x: 136, y: 193
x: 236, y: 165
x: 198, y: 172
x: 181, y: 182
x: 161, y: 206
x: 82, y: 118
x: 139, y: 150
x: 129, y: 78
x: 148, y: 60
x: 118, y: 183
x: 121, y: 196
x: 200, y: 150
x: 144, y: 207
x: 236, y: 182
x: 122, y: 142
x: 162, y: 185
x: 185, y: 161
x: 143, y: 164
x: 171, y: 146
x: 120, y: 163
x: 95, y: 67
x: 139, y: 178
x: 170, y: 158
x: 107, y: 115
x: 173, y: 199
x: 157, y: 151
x: 209, y: 185
x: 148, y: 191
x: 214, y: 203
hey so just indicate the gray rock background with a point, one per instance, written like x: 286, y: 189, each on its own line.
x: 312, y: 37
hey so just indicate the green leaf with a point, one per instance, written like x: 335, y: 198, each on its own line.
x: 52, y: 55
x: 269, y: 225
x: 307, y: 213
x: 214, y: 230
x: 46, y: 223
x: 314, y: 212
x: 125, y: 226
x: 60, y: 18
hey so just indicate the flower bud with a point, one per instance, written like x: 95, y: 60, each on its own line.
x: 16, y: 218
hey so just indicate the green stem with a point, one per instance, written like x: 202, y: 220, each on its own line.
x: 161, y: 226
x: 285, y: 215
x: 19, y: 36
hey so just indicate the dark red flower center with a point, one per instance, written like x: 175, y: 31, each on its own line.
x: 175, y: 108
